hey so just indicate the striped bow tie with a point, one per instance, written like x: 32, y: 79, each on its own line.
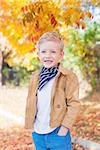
x: 46, y: 75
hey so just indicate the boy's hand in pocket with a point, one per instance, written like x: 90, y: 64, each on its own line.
x: 62, y: 131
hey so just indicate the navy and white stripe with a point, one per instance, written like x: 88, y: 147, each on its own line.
x: 46, y: 75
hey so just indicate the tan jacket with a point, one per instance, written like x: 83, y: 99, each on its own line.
x: 65, y: 103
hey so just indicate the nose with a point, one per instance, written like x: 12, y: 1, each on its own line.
x: 48, y: 54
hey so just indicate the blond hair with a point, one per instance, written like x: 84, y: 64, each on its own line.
x: 51, y: 36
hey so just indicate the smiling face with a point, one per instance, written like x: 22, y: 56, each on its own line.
x: 50, y: 54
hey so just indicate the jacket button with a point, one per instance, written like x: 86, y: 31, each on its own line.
x: 58, y: 106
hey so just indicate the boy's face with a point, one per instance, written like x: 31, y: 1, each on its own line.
x: 50, y: 54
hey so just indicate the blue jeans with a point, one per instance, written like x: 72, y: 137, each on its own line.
x: 52, y: 141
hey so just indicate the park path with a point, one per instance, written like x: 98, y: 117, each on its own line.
x: 12, y: 106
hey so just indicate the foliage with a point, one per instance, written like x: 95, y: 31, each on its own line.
x: 80, y: 51
x: 40, y: 17
x: 16, y: 76
x: 11, y: 26
x: 89, y: 61
x: 24, y: 75
x: 28, y: 61
x: 24, y: 22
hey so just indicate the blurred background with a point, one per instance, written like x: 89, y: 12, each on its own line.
x: 22, y: 22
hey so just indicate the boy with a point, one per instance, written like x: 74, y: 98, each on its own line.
x: 52, y: 102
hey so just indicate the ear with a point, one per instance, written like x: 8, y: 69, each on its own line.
x: 62, y: 54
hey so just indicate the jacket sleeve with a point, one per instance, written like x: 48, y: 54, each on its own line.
x: 27, y: 110
x: 72, y: 101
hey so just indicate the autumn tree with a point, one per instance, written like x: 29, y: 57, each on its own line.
x: 23, y: 22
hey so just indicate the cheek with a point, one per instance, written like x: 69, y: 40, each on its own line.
x: 56, y: 58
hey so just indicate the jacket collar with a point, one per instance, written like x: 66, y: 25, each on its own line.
x: 63, y: 70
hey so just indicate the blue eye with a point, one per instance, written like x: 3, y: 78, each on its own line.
x: 53, y: 51
x: 43, y: 51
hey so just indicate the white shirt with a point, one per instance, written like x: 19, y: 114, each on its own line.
x: 41, y: 124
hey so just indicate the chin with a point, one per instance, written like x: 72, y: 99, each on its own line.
x: 48, y: 66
